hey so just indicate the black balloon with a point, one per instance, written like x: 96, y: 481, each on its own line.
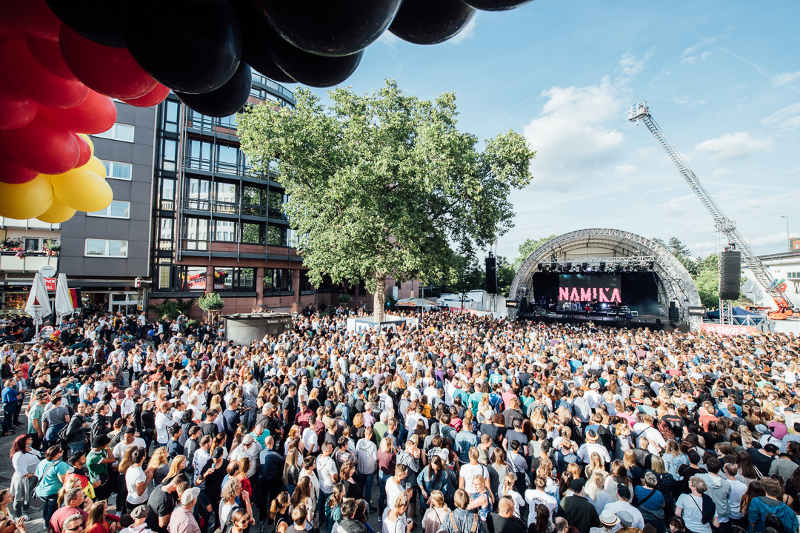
x: 258, y: 40
x: 313, y: 70
x: 102, y: 21
x: 495, y: 5
x: 430, y: 21
x: 224, y: 101
x: 332, y: 27
x: 191, y: 46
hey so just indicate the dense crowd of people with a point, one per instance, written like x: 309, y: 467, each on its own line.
x: 462, y: 424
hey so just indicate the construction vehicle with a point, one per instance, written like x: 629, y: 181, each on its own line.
x: 723, y: 224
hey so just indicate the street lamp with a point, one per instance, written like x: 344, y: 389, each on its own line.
x: 788, y: 237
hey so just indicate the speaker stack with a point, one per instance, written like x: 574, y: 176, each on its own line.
x: 491, y: 274
x: 730, y: 268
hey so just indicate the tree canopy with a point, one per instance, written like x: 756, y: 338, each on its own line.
x: 385, y: 184
x: 527, y: 247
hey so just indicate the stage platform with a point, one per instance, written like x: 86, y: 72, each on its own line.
x: 600, y: 318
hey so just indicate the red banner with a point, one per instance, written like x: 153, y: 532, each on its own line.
x: 728, y: 330
x: 50, y: 284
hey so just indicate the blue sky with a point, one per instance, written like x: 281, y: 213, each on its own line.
x: 721, y: 77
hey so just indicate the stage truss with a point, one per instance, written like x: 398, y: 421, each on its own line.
x: 625, y: 248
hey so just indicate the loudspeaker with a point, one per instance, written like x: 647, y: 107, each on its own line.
x: 491, y: 275
x: 730, y: 267
x: 673, y: 312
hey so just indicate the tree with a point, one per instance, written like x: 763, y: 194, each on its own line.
x: 707, y: 281
x: 505, y: 275
x: 385, y: 184
x: 527, y: 248
x: 682, y: 253
x: 209, y: 303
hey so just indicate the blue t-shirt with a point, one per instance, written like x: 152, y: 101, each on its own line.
x: 48, y: 473
x: 9, y: 394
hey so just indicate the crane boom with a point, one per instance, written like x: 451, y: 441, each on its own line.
x: 723, y: 224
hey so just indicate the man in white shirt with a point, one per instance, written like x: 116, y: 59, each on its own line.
x: 128, y: 441
x: 737, y: 491
x: 538, y: 495
x: 367, y: 459
x: 592, y: 446
x: 624, y: 504
x: 326, y: 471
x: 394, y: 485
x: 309, y: 436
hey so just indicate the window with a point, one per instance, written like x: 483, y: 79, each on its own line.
x: 252, y: 233
x: 227, y: 158
x: 118, y: 170
x: 225, y: 198
x: 305, y: 283
x: 165, y: 226
x: 198, y: 197
x: 169, y: 154
x: 196, y: 233
x: 275, y: 203
x: 191, y: 278
x: 234, y: 278
x: 171, y: 116
x: 228, y: 122
x: 276, y: 235
x: 118, y: 132
x: 277, y: 281
x: 167, y: 194
x: 254, y: 201
x: 106, y: 248
x: 793, y: 275
x: 164, y: 272
x: 31, y: 245
x: 225, y: 231
x: 116, y: 209
x: 199, y: 154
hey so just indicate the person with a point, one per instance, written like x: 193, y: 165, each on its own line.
x: 480, y: 499
x: 719, y: 489
x: 73, y: 503
x: 139, y: 525
x: 24, y: 460
x: 395, y: 519
x: 10, y: 397
x: 735, y: 496
x: 162, y: 500
x: 695, y: 508
x: 182, y: 519
x: 137, y: 479
x: 623, y: 503
x: 762, y: 508
x: 578, y: 509
x: 50, y: 472
x: 435, y: 517
x: 650, y: 502
x: 97, y: 464
x: 98, y: 521
x: 504, y: 521
x: 609, y: 523
x: 367, y: 462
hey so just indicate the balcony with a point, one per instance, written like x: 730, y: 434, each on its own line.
x: 30, y: 262
x: 31, y: 223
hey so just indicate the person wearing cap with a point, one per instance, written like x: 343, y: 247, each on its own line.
x: 139, y: 516
x: 182, y: 518
x: 578, y: 509
x: 609, y: 523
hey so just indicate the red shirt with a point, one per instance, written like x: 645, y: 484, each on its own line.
x: 57, y: 520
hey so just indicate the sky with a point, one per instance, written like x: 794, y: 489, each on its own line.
x: 722, y: 78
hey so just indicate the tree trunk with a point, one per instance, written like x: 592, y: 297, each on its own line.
x: 379, y: 299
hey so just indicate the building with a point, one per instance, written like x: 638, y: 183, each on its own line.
x: 25, y: 246
x: 217, y: 224
x: 785, y: 269
x: 104, y: 252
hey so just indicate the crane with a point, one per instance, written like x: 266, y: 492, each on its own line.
x: 723, y: 224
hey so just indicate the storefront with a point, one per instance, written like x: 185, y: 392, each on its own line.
x: 127, y: 302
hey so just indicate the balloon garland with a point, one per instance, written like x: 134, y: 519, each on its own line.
x: 70, y: 57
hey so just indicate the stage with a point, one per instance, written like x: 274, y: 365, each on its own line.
x: 629, y: 319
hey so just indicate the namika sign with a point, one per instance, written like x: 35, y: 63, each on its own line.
x: 589, y: 294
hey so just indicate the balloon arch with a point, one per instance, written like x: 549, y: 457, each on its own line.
x: 675, y: 284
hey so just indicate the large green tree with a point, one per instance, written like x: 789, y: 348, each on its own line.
x: 527, y: 247
x: 385, y: 184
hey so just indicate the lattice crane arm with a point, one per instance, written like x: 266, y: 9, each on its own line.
x: 723, y: 224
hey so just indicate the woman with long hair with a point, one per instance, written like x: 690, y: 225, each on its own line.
x: 280, y: 510
x: 23, y: 460
x: 176, y: 466
x: 158, y: 465
x: 97, y: 520
x: 435, y: 517
x: 303, y: 495
x: 291, y: 469
x: 387, y: 458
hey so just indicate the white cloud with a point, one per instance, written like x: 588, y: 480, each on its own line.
x: 466, y: 32
x: 733, y: 145
x: 699, y: 51
x: 631, y: 65
x: 785, y: 78
x: 691, y: 102
x: 572, y: 136
x: 785, y: 118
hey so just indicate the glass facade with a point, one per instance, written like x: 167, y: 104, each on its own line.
x: 211, y: 207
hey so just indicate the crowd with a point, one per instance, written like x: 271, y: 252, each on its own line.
x: 458, y: 425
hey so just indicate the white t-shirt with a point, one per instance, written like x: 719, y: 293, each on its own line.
x: 393, y: 491
x: 470, y: 471
x: 326, y: 469
x: 134, y: 476
x: 393, y: 526
x: 534, y: 496
x: 162, y: 423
